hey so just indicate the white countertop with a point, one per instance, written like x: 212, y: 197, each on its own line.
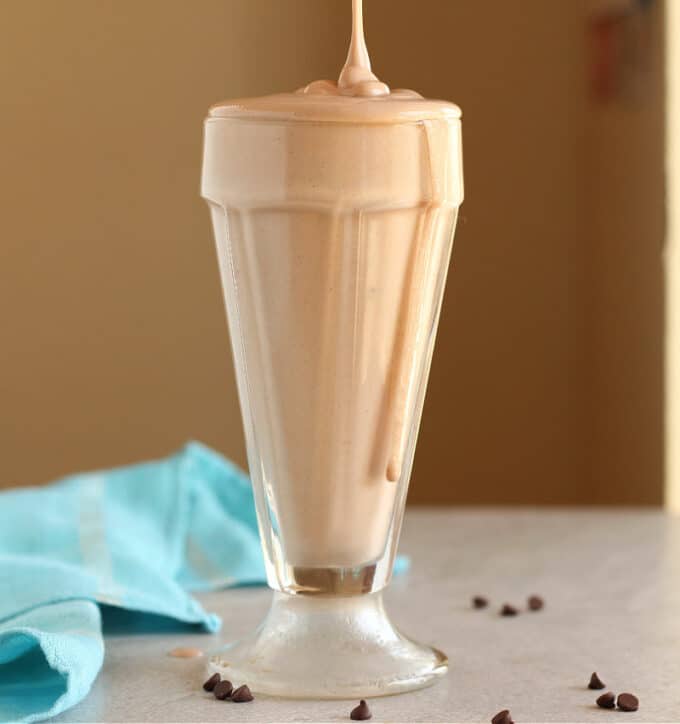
x: 611, y: 581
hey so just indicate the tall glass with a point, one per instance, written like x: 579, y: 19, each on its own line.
x: 333, y: 242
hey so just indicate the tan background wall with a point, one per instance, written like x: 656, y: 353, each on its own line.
x: 113, y: 343
x: 625, y: 340
x: 672, y: 262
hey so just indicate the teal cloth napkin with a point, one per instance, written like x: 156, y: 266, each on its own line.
x: 138, y: 538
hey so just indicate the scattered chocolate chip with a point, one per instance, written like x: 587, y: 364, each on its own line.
x: 361, y: 712
x: 627, y: 702
x: 223, y: 690
x: 536, y: 603
x: 479, y: 602
x: 508, y: 610
x: 595, y: 682
x: 503, y: 717
x: 242, y: 694
x: 212, y: 682
x: 606, y: 701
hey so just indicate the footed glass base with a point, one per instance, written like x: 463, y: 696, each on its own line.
x: 328, y: 648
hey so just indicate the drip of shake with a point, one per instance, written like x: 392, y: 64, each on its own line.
x: 356, y: 77
x: 334, y: 209
x: 186, y: 653
x: 343, y: 100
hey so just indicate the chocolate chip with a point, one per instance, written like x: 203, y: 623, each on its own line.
x: 536, y: 603
x: 503, y: 717
x: 211, y: 682
x: 223, y: 690
x: 242, y: 694
x: 361, y: 712
x: 508, y: 610
x: 595, y: 682
x: 627, y: 702
x: 479, y: 602
x: 606, y: 701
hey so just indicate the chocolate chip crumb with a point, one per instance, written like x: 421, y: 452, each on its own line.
x: 627, y: 702
x: 242, y: 694
x: 595, y: 682
x: 480, y: 602
x: 536, y: 603
x: 211, y: 682
x: 503, y: 717
x: 361, y: 712
x: 508, y: 610
x: 223, y: 690
x: 606, y: 701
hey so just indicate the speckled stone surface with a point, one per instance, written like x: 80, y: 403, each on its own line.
x: 611, y: 581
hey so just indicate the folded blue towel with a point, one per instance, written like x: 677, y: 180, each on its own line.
x: 138, y: 538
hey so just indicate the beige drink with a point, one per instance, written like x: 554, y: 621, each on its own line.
x: 334, y: 209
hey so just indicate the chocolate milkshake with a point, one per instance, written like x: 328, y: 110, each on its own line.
x: 334, y: 209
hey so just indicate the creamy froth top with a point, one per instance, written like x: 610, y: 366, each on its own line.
x: 358, y: 95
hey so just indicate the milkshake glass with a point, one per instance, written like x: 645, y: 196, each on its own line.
x: 334, y: 217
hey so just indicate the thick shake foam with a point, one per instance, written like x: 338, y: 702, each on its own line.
x: 334, y: 210
x: 358, y: 95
